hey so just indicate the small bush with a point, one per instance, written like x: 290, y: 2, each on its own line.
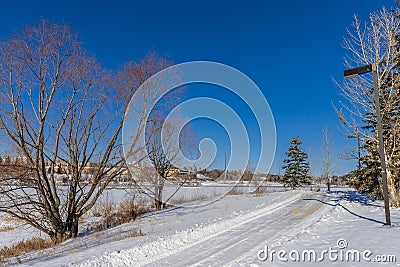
x: 24, y: 246
x: 131, y: 233
x: 6, y: 229
x: 104, y: 207
x: 259, y: 191
x: 235, y: 191
x: 10, y: 219
x: 185, y: 199
x: 125, y: 212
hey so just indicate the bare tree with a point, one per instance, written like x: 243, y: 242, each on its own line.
x: 57, y: 108
x: 326, y: 166
x: 151, y: 106
x: 164, y: 154
x: 375, y: 42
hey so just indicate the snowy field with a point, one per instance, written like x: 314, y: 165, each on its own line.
x: 13, y: 231
x: 273, y: 229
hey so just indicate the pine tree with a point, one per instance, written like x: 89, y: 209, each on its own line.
x: 368, y: 178
x: 296, y: 166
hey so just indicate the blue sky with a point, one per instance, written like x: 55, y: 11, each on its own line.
x: 291, y: 49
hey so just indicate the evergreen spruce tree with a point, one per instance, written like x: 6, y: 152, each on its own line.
x: 296, y: 166
x: 368, y: 178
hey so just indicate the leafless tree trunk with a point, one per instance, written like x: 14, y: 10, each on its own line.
x: 57, y: 108
x: 150, y: 174
x: 326, y: 167
x: 163, y: 153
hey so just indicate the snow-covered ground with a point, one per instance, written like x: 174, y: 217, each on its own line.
x: 273, y: 229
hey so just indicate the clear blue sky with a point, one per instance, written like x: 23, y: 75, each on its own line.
x: 291, y: 49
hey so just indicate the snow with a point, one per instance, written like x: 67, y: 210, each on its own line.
x: 13, y: 231
x: 167, y: 246
x: 357, y: 220
x: 233, y: 230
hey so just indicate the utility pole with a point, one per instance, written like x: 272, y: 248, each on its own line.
x: 381, y: 144
x: 374, y: 69
x: 225, y: 171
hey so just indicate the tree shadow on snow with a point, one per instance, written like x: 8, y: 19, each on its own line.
x: 352, y: 197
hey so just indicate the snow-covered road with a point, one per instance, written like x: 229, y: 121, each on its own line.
x: 233, y: 230
x: 226, y: 242
x: 244, y: 239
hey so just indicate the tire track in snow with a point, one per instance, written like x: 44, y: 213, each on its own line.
x: 243, y: 241
x: 177, y: 243
x: 286, y: 232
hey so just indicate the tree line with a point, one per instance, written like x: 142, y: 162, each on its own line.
x: 376, y: 41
